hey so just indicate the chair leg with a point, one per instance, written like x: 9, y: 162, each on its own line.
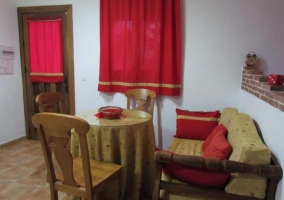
x: 157, y: 182
x: 90, y: 196
x: 53, y: 194
x: 117, y: 189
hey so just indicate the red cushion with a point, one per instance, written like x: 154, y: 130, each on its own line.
x: 202, y: 177
x: 195, y: 125
x: 218, y: 147
x: 220, y: 128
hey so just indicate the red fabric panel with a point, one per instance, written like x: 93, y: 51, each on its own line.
x: 140, y: 46
x: 216, y: 130
x: 47, y: 79
x: 195, y: 125
x: 121, y: 88
x: 191, y: 175
x: 45, y: 50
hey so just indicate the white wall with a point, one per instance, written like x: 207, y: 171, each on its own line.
x: 12, y: 124
x: 217, y: 36
x: 204, y: 87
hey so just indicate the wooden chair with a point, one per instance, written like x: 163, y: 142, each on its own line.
x: 141, y: 96
x: 81, y: 176
x: 50, y: 102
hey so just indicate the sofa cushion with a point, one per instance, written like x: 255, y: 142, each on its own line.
x: 191, y: 175
x: 226, y: 116
x: 167, y: 195
x: 219, y: 147
x: 247, y: 185
x: 195, y: 125
x: 247, y: 148
x: 245, y: 141
x: 216, y: 130
x: 186, y: 146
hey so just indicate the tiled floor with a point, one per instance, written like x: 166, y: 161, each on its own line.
x: 23, y: 172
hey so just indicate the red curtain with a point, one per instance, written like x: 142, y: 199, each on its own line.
x: 140, y: 43
x: 45, y: 48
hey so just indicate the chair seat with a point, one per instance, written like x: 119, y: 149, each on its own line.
x: 101, y: 171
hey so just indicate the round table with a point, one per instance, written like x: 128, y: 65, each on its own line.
x: 127, y: 141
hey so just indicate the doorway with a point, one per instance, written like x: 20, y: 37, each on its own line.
x: 32, y: 89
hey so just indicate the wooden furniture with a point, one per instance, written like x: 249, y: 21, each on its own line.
x: 272, y: 171
x: 127, y: 141
x: 81, y: 176
x: 50, y: 102
x: 31, y: 89
x: 140, y: 99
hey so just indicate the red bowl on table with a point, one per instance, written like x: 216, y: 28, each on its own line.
x: 110, y: 112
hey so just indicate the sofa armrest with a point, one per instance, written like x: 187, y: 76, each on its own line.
x: 273, y: 172
x: 268, y: 171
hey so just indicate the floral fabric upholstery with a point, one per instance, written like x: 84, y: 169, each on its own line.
x: 183, y: 147
x: 166, y: 195
x: 247, y: 147
x: 186, y: 146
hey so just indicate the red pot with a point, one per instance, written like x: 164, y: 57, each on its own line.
x: 275, y: 79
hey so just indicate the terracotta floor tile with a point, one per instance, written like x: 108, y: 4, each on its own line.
x: 16, y: 173
x: 43, y: 193
x: 4, y: 166
x: 14, y: 191
x: 36, y: 179
x: 23, y: 172
x: 13, y: 157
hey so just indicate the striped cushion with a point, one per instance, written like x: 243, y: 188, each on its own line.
x: 195, y: 125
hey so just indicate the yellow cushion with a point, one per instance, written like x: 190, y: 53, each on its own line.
x: 247, y: 148
x: 246, y: 144
x: 186, y: 146
x: 182, y: 147
x: 247, y: 185
x: 226, y: 116
x: 169, y: 196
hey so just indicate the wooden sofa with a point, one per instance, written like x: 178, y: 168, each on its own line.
x: 246, y: 164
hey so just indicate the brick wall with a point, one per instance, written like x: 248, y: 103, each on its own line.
x: 255, y: 83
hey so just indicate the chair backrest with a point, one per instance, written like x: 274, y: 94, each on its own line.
x: 50, y: 102
x: 54, y: 130
x: 140, y: 97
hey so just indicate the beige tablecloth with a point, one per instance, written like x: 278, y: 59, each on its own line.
x: 128, y: 141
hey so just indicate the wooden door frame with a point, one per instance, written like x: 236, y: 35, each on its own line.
x: 68, y: 53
